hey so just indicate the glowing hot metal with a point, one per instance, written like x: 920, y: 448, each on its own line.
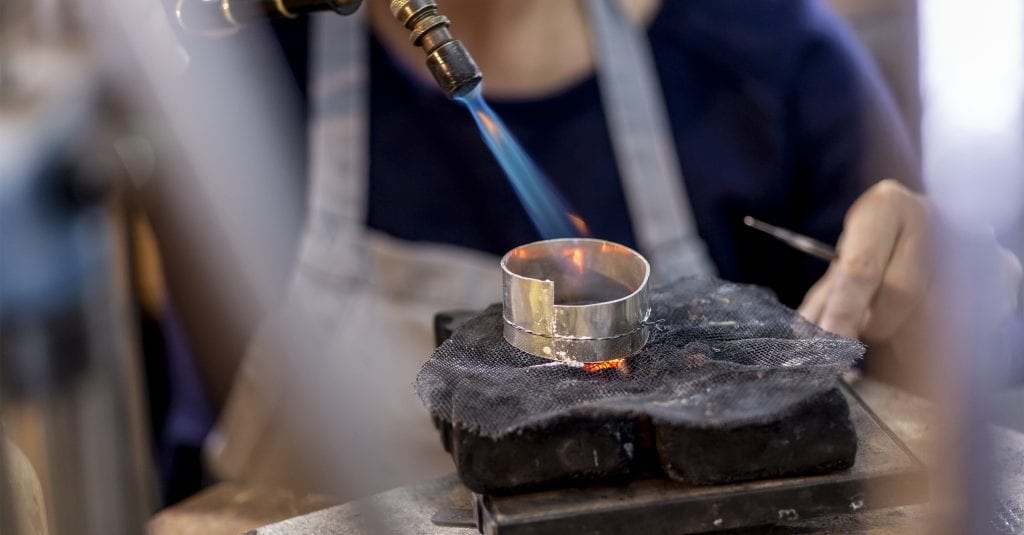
x: 614, y: 364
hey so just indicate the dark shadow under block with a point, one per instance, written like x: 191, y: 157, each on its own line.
x: 815, y: 437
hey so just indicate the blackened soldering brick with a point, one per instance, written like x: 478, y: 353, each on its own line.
x: 567, y: 451
x: 812, y: 437
x: 815, y: 437
x: 447, y: 322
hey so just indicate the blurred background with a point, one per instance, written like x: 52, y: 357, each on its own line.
x: 140, y: 220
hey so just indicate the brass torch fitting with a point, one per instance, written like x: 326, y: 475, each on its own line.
x: 447, y: 58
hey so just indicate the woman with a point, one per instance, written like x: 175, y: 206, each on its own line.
x: 768, y: 108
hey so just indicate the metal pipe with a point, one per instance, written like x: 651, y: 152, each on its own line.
x: 222, y: 16
x: 447, y: 58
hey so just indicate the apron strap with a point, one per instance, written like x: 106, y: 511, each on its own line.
x: 339, y: 152
x: 644, y: 148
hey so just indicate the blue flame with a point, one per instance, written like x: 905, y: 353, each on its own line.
x: 543, y: 203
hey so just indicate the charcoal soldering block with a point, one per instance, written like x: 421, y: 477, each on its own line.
x: 813, y: 437
x: 566, y: 451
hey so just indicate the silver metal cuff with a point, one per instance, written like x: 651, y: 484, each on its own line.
x: 576, y: 299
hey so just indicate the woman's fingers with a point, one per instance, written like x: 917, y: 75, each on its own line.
x: 866, y: 246
x: 814, y: 302
x: 885, y: 268
x: 907, y: 277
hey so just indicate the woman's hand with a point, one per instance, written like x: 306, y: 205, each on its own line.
x: 885, y: 268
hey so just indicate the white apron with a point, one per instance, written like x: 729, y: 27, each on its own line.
x: 324, y: 397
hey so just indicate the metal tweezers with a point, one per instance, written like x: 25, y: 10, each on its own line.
x: 797, y: 241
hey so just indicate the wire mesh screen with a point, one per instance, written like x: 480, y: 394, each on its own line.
x: 720, y: 355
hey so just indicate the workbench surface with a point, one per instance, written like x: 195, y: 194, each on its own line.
x: 230, y: 508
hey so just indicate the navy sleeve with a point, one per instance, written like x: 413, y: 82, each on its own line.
x: 826, y: 135
x: 845, y: 130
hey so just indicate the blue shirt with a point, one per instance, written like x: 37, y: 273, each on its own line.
x: 764, y: 100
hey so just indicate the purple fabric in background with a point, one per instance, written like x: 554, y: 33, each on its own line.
x: 188, y: 415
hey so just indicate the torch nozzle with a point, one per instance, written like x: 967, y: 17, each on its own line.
x: 447, y: 58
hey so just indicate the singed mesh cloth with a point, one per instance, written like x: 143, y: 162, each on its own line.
x: 720, y: 354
